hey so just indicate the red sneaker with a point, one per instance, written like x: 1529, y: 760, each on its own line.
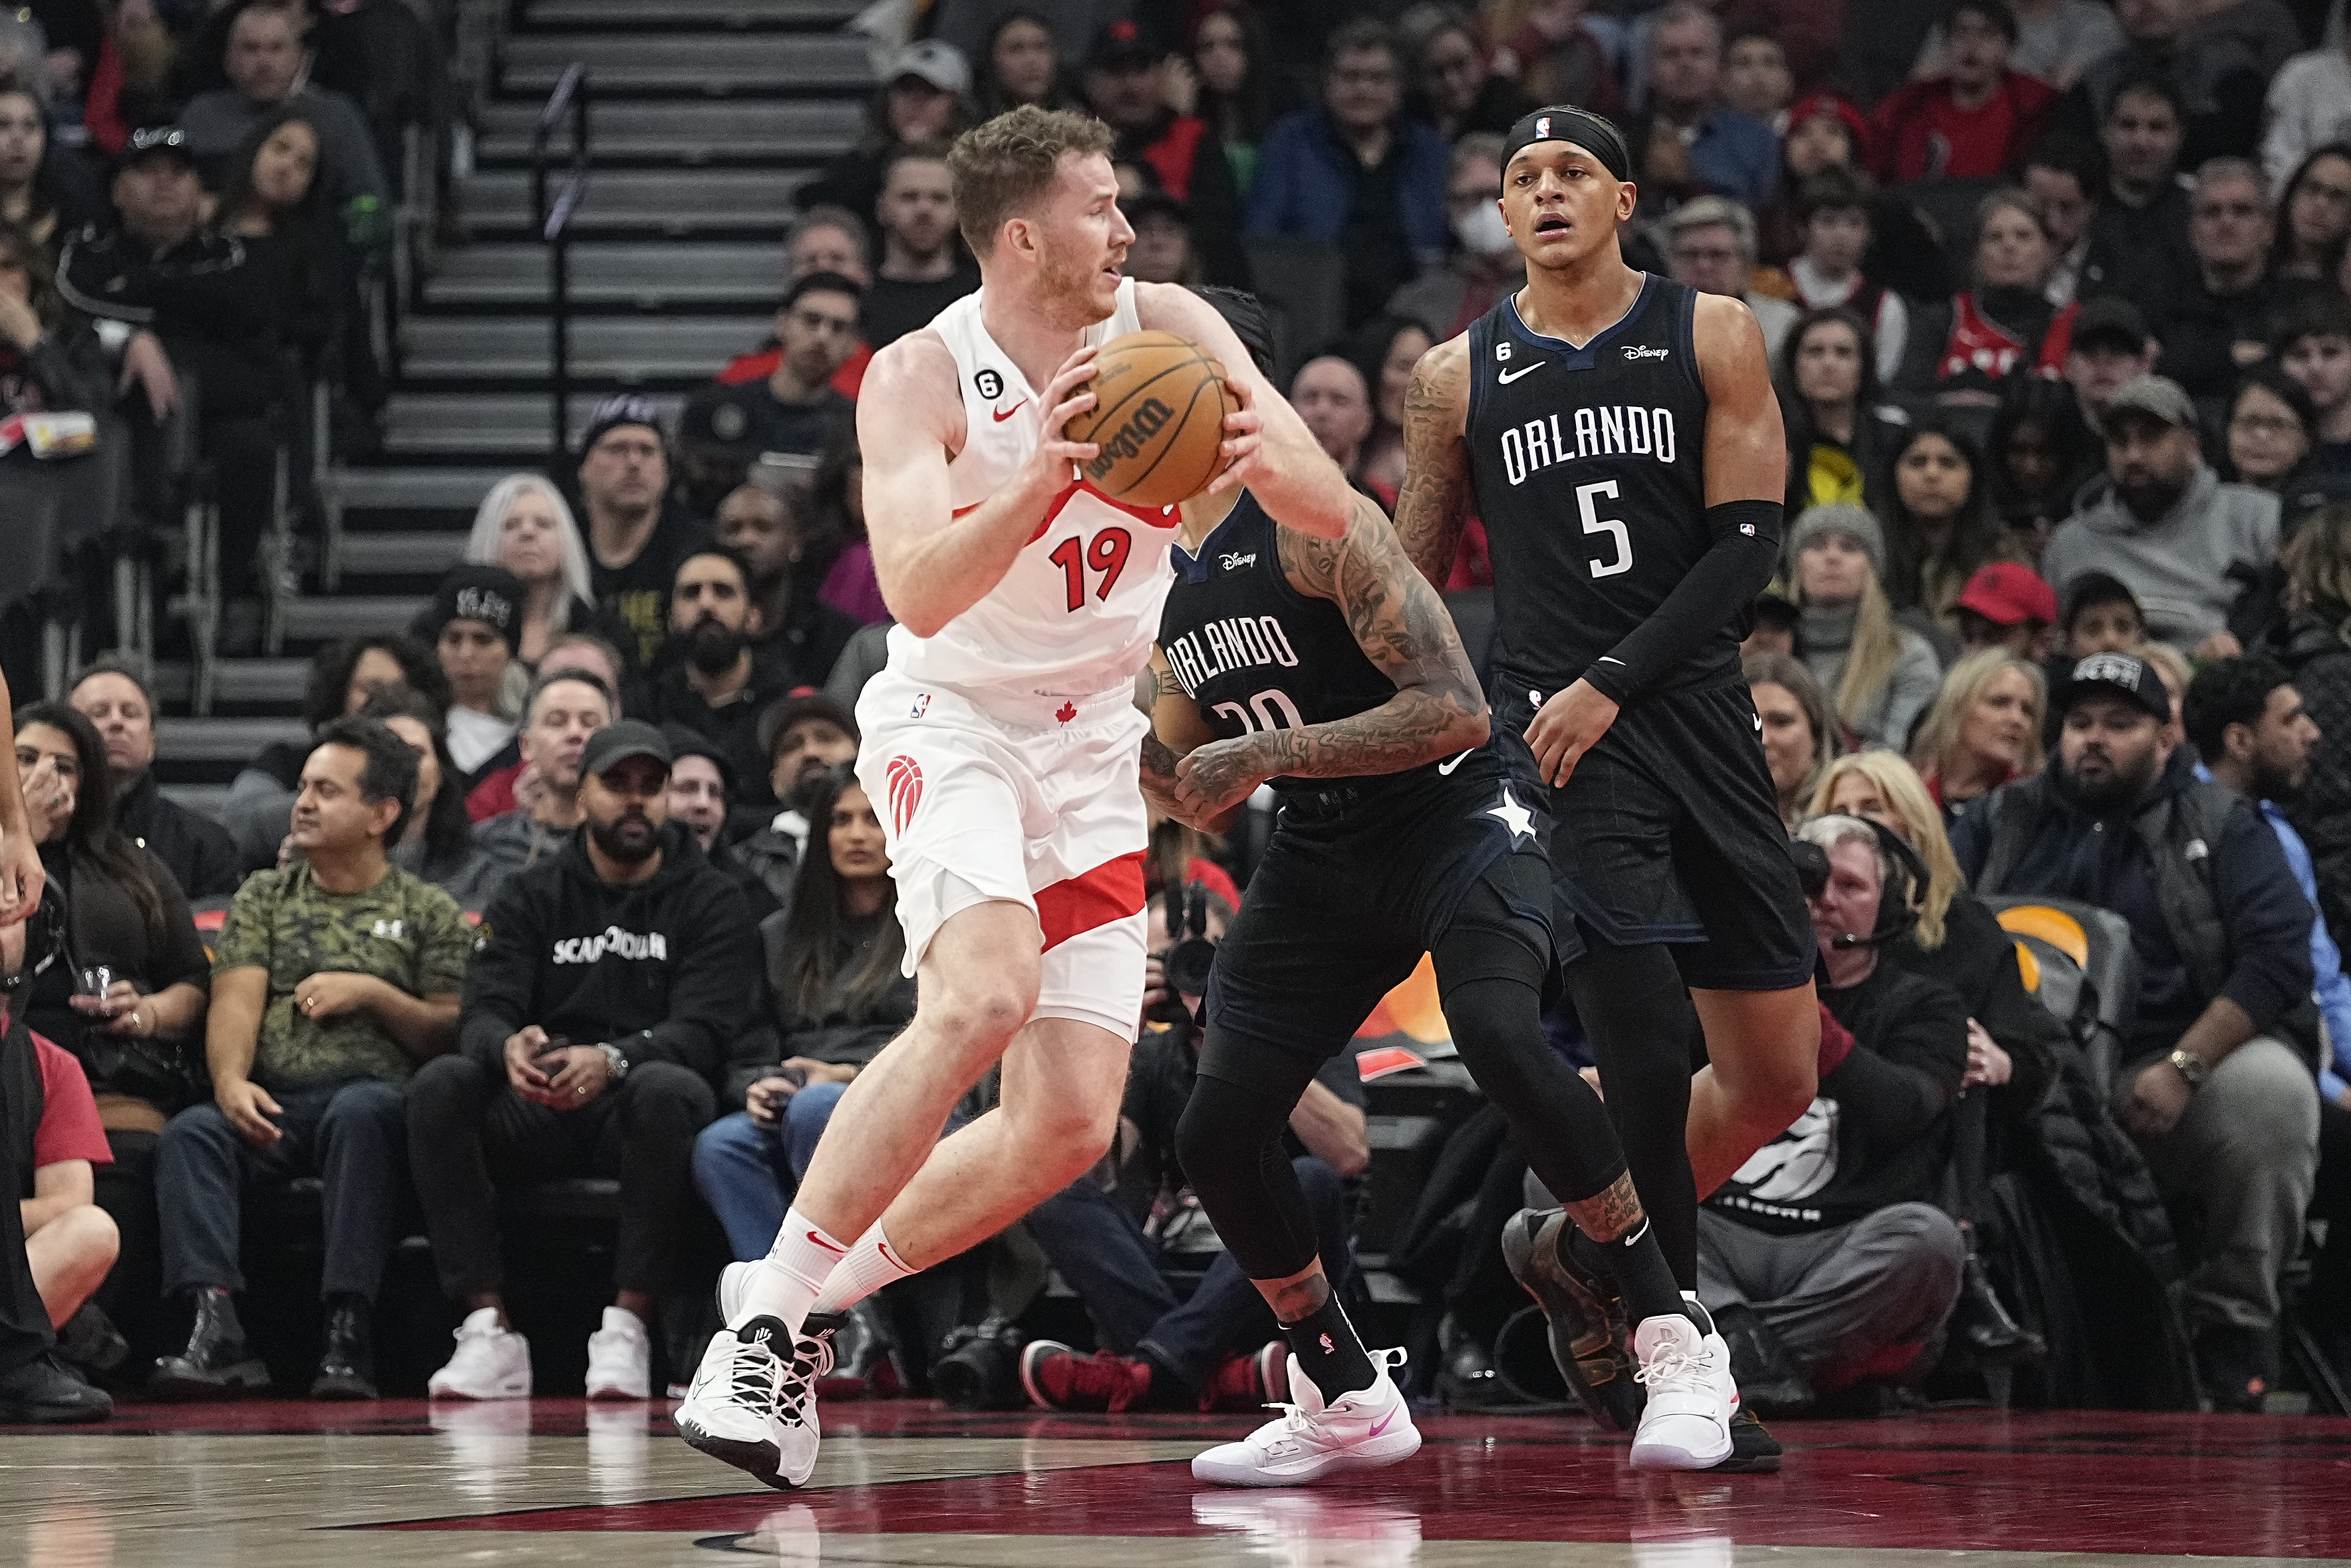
x: 1250, y: 1382
x: 1058, y: 1379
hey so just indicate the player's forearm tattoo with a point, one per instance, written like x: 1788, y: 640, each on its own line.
x: 1432, y: 504
x: 1159, y: 775
x: 1608, y: 1215
x: 1300, y: 1298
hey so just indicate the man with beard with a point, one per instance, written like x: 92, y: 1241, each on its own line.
x: 2216, y: 1086
x: 2167, y: 528
x: 796, y: 627
x: 715, y: 686
x: 606, y: 981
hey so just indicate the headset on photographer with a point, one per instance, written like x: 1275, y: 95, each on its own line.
x: 1898, y: 901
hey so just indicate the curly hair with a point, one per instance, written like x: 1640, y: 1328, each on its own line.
x: 1002, y: 167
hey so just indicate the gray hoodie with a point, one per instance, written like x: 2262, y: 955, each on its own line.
x: 2178, y: 564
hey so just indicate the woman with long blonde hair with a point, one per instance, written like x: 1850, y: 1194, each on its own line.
x: 1881, y: 676
x: 1983, y: 730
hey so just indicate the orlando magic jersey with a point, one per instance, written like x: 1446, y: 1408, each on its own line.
x: 1252, y: 650
x: 1590, y: 472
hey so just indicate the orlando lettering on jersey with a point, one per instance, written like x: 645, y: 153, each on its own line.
x: 1235, y: 642
x: 1617, y: 431
x: 613, y: 940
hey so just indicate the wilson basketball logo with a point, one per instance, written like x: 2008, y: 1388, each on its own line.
x: 905, y: 790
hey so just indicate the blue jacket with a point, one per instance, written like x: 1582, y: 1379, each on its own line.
x: 1736, y: 156
x: 2072, y: 854
x: 2331, y: 989
x: 1306, y: 182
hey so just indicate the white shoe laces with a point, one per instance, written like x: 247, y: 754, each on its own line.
x: 794, y: 1386
x: 1670, y: 1367
x: 1296, y: 1421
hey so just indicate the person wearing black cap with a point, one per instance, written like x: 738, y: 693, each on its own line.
x: 701, y: 790
x: 1163, y: 251
x: 2216, y: 1084
x: 2110, y: 345
x: 800, y: 736
x: 727, y: 427
x: 606, y: 982
x: 1122, y: 88
x: 1644, y: 410
x: 474, y: 627
x: 636, y: 534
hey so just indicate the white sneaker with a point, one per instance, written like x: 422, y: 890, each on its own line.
x: 734, y: 1284
x: 756, y: 1408
x: 492, y: 1361
x: 1686, y: 1367
x: 1359, y: 1431
x: 621, y: 1358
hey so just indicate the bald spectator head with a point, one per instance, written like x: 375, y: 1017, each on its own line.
x: 1330, y: 395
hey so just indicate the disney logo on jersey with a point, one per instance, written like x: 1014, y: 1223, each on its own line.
x: 1617, y: 430
x: 1232, y: 561
x: 1642, y: 351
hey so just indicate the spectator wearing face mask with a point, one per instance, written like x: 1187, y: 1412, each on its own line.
x: 1485, y: 264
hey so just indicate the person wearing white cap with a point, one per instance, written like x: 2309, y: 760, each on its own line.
x: 925, y: 97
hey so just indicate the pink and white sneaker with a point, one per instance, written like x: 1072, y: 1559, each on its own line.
x: 1686, y: 1367
x: 1358, y: 1431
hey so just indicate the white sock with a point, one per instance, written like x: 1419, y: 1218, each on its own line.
x: 871, y: 1264
x: 786, y: 1282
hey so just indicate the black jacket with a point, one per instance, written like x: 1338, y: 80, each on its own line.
x: 1977, y: 962
x: 194, y: 849
x: 2315, y: 650
x: 832, y: 1030
x: 202, y: 297
x: 660, y: 969
x: 732, y: 728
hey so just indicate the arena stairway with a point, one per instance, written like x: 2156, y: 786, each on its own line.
x: 706, y: 115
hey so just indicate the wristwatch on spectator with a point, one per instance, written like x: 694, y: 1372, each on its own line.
x: 615, y: 1064
x: 2191, y: 1067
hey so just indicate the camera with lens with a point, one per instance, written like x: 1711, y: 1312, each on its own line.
x: 1185, y: 961
x: 979, y: 1368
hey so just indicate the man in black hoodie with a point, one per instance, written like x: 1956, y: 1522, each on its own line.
x: 2217, y: 1086
x: 606, y: 981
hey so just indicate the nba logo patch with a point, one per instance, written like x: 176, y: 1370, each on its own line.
x: 922, y: 706
x: 906, y: 790
x: 1542, y: 125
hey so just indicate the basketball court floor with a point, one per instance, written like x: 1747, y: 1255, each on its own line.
x: 284, y: 1485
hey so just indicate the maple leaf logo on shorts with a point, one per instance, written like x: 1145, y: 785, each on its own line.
x: 1066, y: 712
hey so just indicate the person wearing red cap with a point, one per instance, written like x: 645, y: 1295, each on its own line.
x: 2006, y: 605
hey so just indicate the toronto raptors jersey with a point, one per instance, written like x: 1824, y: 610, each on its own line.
x: 1077, y: 612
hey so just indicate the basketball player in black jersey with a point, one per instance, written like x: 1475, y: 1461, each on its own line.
x: 1618, y: 436
x: 1330, y: 670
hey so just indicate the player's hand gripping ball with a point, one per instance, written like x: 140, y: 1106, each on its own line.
x: 1159, y: 418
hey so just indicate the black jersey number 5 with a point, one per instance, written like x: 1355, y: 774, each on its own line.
x: 1593, y: 523
x: 1107, y: 555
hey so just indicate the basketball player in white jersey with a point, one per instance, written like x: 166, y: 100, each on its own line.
x: 1004, y: 748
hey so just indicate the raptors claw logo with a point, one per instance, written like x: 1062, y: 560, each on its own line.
x: 905, y: 779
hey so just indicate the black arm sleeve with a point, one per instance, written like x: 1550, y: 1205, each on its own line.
x: 1715, y: 593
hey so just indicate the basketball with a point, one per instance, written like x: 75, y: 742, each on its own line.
x: 1159, y: 418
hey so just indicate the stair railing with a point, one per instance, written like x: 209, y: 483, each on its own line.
x: 566, y: 103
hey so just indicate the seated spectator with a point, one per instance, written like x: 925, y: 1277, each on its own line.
x: 524, y: 525
x: 1163, y: 251
x: 1976, y: 117
x: 1939, y: 525
x: 274, y: 204
x: 50, y: 361
x: 2313, y: 647
x: 834, y: 980
x: 437, y: 845
x: 44, y: 191
x: 1832, y: 210
x: 1711, y: 246
x: 1756, y: 80
x: 1356, y: 174
x: 728, y: 427
x: 564, y: 708
x: 504, y: 788
x: 1485, y: 264
x: 923, y: 268
x: 2064, y: 175
x: 331, y: 980
x: 1330, y: 396
x: 1840, y: 436
x: 2314, y: 347
x: 793, y: 628
x: 1455, y: 86
x: 2138, y: 237
x: 1123, y: 90
x: 126, y: 998
x: 1824, y: 132
x: 2313, y: 214
x: 718, y: 687
x: 2270, y: 430
x: 2101, y: 616
x: 2040, y: 453
x: 1983, y: 730
x: 265, y: 63
x: 1553, y: 53
x: 2169, y: 528
x: 1959, y: 350
x: 1880, y: 677
x: 836, y: 513
x: 636, y: 534
x: 475, y: 625
x: 2008, y: 606
x: 1236, y: 85
x: 1799, y: 732
x: 2309, y: 110
x: 801, y: 737
x: 2220, y: 323
x: 1385, y: 348
x: 2224, y: 1110
x: 70, y: 1242
x: 1689, y: 143
x: 610, y: 977
x: 193, y: 847
x: 2110, y: 345
x: 821, y: 239
x: 1021, y: 62
x: 702, y: 790
x: 1217, y: 1350
x: 259, y: 810
x: 924, y: 100
x: 1824, y: 1260
x: 2217, y: 81
x: 2056, y: 41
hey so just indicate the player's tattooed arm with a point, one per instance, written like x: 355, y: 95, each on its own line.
x: 1434, y: 500
x: 1177, y: 730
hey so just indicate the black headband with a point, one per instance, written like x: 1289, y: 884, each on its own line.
x: 1564, y: 122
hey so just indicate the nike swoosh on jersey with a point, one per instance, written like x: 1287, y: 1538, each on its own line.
x: 1506, y: 377
x: 1445, y: 770
x: 1004, y: 413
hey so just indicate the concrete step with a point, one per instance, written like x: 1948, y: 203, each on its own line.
x: 255, y: 681
x: 458, y: 424
x: 312, y: 620
x: 401, y: 554
x: 730, y: 13
x: 222, y: 739
x: 770, y: 131
x: 614, y: 348
x: 649, y: 275
x: 414, y: 489
x: 709, y: 62
x: 663, y: 201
